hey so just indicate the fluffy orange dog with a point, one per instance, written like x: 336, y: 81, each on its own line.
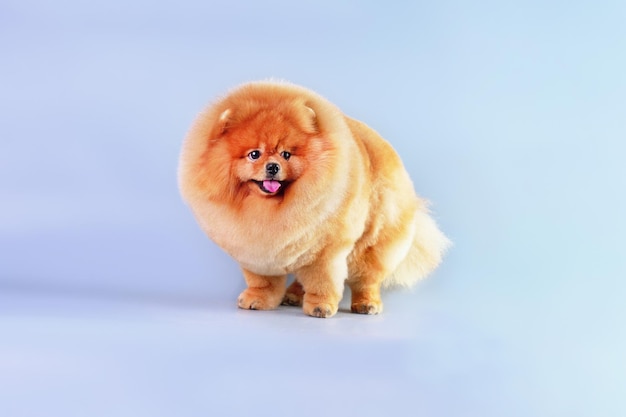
x: 285, y: 183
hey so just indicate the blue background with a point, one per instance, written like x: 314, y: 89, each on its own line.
x: 510, y: 118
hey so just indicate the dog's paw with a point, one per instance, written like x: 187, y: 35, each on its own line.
x: 367, y: 307
x: 293, y: 295
x: 291, y: 299
x: 322, y: 310
x: 251, y: 299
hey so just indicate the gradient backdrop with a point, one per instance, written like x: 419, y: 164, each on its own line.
x: 510, y: 118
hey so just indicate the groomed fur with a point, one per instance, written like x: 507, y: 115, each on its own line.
x: 285, y: 183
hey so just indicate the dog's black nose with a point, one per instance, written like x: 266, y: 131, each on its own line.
x: 272, y: 168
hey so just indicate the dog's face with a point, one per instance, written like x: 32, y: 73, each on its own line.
x: 269, y: 151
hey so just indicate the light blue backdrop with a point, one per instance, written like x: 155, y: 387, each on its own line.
x: 510, y: 117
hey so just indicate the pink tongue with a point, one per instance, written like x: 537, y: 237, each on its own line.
x: 271, y: 186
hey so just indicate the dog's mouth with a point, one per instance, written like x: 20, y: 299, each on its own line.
x: 270, y: 186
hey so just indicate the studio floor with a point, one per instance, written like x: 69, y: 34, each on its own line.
x: 93, y: 356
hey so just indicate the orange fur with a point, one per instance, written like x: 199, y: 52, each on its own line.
x: 345, y: 210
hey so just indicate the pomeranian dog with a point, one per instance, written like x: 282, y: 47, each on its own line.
x: 285, y: 183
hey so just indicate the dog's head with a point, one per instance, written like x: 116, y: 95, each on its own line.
x: 267, y: 141
x: 268, y: 148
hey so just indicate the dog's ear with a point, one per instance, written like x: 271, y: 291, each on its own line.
x: 223, y: 122
x: 310, y: 124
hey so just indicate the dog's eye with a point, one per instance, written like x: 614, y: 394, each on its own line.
x: 285, y: 155
x: 254, y: 155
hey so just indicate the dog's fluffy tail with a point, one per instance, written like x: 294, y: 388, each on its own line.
x: 424, y: 255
